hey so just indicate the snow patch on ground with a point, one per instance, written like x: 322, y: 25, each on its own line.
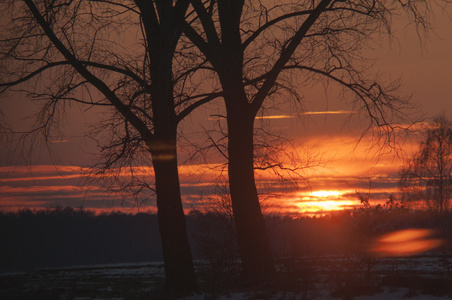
x: 139, y: 281
x: 387, y: 294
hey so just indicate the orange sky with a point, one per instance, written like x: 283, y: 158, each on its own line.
x: 426, y: 73
x: 344, y: 168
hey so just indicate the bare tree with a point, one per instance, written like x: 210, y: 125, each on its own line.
x: 262, y: 52
x: 427, y: 176
x: 116, y: 55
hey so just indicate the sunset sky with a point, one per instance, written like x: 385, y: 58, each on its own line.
x: 319, y: 133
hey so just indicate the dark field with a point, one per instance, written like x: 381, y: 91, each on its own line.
x: 310, y: 278
x: 74, y: 254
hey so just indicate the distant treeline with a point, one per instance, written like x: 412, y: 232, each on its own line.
x: 67, y: 237
x: 63, y: 237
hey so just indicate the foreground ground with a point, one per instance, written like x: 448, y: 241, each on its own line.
x: 327, y: 277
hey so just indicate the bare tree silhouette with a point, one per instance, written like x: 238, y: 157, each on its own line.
x: 427, y: 176
x: 263, y: 52
x: 117, y: 55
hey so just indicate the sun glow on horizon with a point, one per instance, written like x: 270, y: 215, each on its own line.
x: 324, y: 201
x: 324, y: 206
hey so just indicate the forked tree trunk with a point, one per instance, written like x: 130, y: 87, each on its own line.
x: 225, y: 53
x: 254, y: 246
x: 180, y: 276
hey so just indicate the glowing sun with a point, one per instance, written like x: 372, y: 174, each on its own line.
x: 324, y: 201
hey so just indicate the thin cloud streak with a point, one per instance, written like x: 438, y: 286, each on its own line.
x: 274, y: 117
x: 58, y: 177
x: 59, y: 141
x: 281, y: 117
x: 328, y: 112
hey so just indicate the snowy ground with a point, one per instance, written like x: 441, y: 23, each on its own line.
x: 386, y: 294
x: 322, y: 278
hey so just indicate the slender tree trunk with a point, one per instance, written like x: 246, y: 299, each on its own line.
x: 254, y: 246
x: 180, y: 276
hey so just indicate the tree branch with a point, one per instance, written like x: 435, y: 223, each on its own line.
x: 81, y: 69
x: 286, y: 54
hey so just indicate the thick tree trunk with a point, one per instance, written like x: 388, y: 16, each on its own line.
x: 180, y: 276
x: 179, y: 271
x: 254, y: 246
x: 225, y: 53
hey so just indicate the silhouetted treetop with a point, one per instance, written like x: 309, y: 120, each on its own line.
x: 427, y: 176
